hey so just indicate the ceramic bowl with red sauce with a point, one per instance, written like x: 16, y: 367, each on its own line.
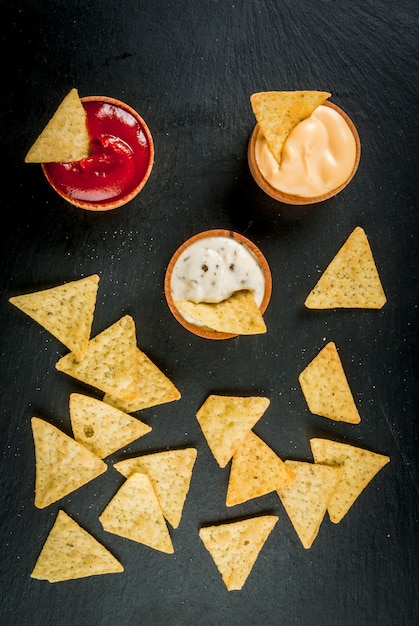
x: 121, y: 159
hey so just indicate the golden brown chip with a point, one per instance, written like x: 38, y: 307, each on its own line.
x: 65, y: 311
x: 255, y: 471
x: 359, y: 467
x: 153, y: 388
x: 235, y: 546
x: 109, y: 362
x: 351, y: 280
x: 135, y: 513
x: 238, y: 315
x: 102, y: 428
x: 226, y: 421
x: 62, y: 464
x: 278, y: 112
x: 65, y: 138
x: 325, y: 387
x: 71, y: 552
x: 306, y: 499
x: 170, y: 474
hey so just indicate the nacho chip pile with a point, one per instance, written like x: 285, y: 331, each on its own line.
x: 111, y: 362
x: 307, y: 489
x: 149, y: 505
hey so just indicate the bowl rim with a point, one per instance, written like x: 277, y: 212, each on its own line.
x: 111, y: 204
x: 218, y: 232
x: 287, y: 198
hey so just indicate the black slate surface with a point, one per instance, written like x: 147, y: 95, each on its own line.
x: 189, y: 68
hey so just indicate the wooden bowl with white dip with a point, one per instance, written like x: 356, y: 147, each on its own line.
x: 190, y: 277
x: 302, y: 178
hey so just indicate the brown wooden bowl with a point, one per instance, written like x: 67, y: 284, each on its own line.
x: 287, y: 198
x: 207, y: 333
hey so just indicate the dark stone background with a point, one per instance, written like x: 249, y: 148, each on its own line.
x: 189, y: 67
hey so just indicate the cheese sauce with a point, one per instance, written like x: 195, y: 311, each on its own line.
x: 318, y: 156
x: 213, y: 268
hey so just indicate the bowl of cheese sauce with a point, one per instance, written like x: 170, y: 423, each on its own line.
x: 210, y: 267
x: 319, y: 158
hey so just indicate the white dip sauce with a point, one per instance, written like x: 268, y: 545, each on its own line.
x: 212, y: 269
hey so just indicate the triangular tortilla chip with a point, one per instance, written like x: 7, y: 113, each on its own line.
x: 238, y: 315
x: 102, y: 428
x: 351, y: 279
x: 325, y: 387
x: 62, y: 464
x: 65, y: 138
x: 65, y: 311
x: 135, y: 513
x: 226, y: 421
x: 359, y: 468
x: 170, y: 474
x: 255, y: 471
x: 307, y: 497
x: 110, y: 360
x: 278, y: 112
x: 71, y: 552
x: 235, y: 546
x: 153, y: 388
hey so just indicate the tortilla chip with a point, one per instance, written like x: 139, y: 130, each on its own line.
x: 135, y: 513
x: 278, y: 112
x: 306, y: 499
x: 255, y: 471
x: 226, y: 421
x: 102, y: 428
x: 153, y: 388
x: 65, y: 311
x: 235, y: 546
x: 62, y: 464
x: 170, y: 474
x: 110, y: 361
x: 238, y: 315
x: 351, y: 280
x: 325, y: 387
x: 65, y: 138
x: 359, y: 467
x: 71, y: 552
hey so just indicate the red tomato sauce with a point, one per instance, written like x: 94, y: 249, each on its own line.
x: 119, y: 161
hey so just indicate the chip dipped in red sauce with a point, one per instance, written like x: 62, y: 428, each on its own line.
x: 120, y: 162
